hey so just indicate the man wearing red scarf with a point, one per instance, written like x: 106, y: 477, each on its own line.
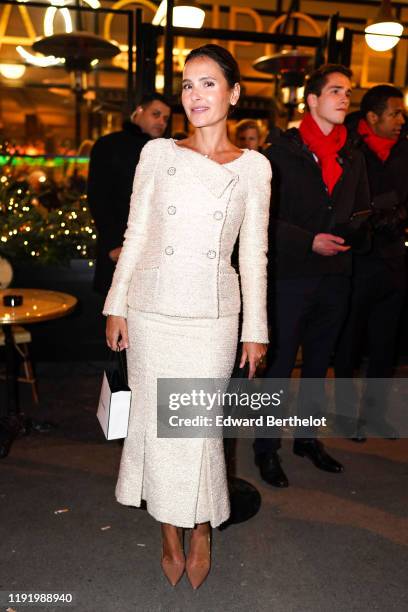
x: 379, y: 277
x: 318, y: 183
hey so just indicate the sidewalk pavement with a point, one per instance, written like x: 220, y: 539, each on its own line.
x: 328, y: 543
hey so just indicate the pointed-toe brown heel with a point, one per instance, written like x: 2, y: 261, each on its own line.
x: 198, y: 562
x: 173, y: 568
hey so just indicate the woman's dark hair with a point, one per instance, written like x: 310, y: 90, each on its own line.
x: 222, y: 57
x: 376, y: 98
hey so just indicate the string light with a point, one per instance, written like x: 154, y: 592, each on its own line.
x: 29, y: 231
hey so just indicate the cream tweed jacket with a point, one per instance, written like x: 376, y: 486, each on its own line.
x: 186, y: 212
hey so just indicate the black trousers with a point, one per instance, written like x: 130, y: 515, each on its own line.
x: 307, y: 312
x: 371, y: 327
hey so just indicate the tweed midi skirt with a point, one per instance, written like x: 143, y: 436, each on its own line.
x: 182, y: 480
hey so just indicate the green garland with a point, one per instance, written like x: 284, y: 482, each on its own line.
x: 30, y: 232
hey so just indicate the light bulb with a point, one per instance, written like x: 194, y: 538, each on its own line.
x: 12, y: 71
x: 374, y: 35
x: 188, y: 17
x: 183, y: 16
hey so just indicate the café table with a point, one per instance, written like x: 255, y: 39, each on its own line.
x: 37, y: 305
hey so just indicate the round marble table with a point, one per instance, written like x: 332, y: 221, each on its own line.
x: 38, y: 305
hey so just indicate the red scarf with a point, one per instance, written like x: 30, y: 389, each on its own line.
x: 325, y: 148
x: 381, y: 146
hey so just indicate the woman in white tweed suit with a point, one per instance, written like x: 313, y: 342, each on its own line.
x: 175, y: 300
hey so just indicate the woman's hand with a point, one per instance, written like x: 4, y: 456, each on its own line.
x: 254, y: 353
x: 116, y: 333
x: 115, y: 253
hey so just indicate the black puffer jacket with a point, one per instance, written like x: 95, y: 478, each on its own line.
x: 302, y: 207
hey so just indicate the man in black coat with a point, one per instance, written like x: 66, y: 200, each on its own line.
x: 111, y: 172
x: 379, y: 276
x: 319, y: 182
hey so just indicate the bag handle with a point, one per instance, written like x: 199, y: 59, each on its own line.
x: 118, y: 355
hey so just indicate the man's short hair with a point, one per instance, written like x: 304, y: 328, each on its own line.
x: 375, y: 99
x: 318, y: 78
x: 147, y: 99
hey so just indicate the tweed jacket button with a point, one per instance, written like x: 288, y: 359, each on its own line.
x: 169, y: 250
x: 171, y: 210
x: 211, y: 254
x: 218, y: 215
x: 171, y: 171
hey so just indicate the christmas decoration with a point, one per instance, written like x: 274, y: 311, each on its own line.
x: 32, y: 231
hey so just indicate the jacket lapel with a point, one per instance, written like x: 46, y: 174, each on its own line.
x: 215, y: 177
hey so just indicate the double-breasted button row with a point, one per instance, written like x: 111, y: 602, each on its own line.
x: 210, y: 254
x: 218, y: 215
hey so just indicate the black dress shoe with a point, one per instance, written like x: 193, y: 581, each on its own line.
x: 270, y: 468
x: 381, y: 428
x: 360, y: 436
x: 351, y: 429
x: 347, y: 427
x: 315, y: 451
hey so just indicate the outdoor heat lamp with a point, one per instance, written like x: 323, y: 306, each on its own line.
x: 80, y: 50
x: 290, y: 69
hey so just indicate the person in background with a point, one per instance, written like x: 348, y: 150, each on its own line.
x: 112, y: 166
x: 248, y: 135
x: 379, y: 276
x: 318, y: 184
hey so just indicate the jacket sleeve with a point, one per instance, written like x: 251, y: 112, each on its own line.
x: 362, y: 199
x: 290, y: 238
x: 284, y: 236
x: 136, y: 234
x: 253, y: 248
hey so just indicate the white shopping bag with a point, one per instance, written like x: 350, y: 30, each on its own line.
x: 114, y: 401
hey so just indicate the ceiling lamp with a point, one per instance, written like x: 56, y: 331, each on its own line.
x: 186, y: 14
x: 12, y: 71
x: 383, y: 32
